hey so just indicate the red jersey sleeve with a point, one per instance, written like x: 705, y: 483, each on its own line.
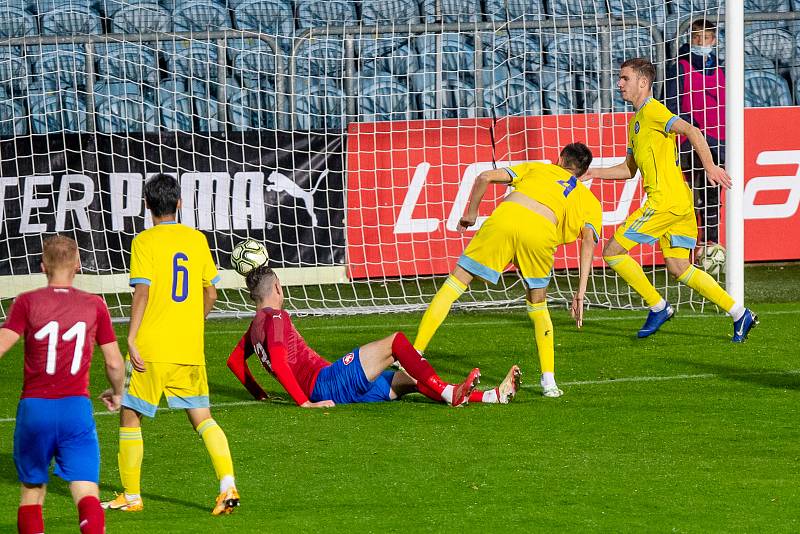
x: 276, y: 347
x: 237, y: 363
x: 17, y: 318
x: 105, y: 331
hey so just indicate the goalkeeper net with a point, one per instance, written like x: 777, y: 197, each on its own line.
x: 344, y: 135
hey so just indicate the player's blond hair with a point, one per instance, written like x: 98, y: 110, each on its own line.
x: 59, y: 252
x: 260, y: 282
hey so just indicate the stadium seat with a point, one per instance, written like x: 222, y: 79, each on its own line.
x: 398, y: 57
x: 389, y: 12
x: 16, y: 22
x: 589, y: 96
x: 273, y: 17
x: 142, y: 17
x: 756, y: 62
x: 579, y: 8
x: 192, y: 59
x: 631, y: 42
x: 200, y: 16
x: 515, y: 96
x: 558, y: 92
x: 766, y: 6
x: 12, y: 116
x: 315, y: 14
x: 655, y: 12
x: 457, y: 54
x: 774, y: 44
x: 765, y: 89
x: 127, y: 62
x: 576, y: 52
x: 205, y: 108
x: 13, y: 68
x: 318, y: 105
x: 250, y: 107
x: 61, y: 65
x: 509, y: 10
x: 383, y: 98
x: 254, y: 62
x: 73, y: 111
x: 71, y: 17
x: 121, y: 108
x: 449, y: 98
x: 175, y: 106
x: 44, y: 108
x: 452, y: 11
x: 322, y: 56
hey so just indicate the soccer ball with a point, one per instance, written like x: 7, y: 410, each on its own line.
x: 712, y: 259
x: 247, y: 255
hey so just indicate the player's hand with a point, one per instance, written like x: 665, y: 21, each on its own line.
x: 718, y: 176
x: 112, y: 402
x: 590, y: 174
x: 576, y: 310
x: 136, y: 359
x: 320, y: 404
x: 466, y: 221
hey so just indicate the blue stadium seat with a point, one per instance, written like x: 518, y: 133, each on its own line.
x: 756, y: 62
x: 574, y: 51
x: 121, y: 108
x: 16, y: 22
x: 652, y: 11
x: 589, y: 95
x: 44, y: 107
x: 13, y: 68
x: 254, y: 62
x: 383, y: 98
x: 457, y: 54
x: 509, y: 10
x: 175, y: 106
x: 450, y: 99
x: 315, y: 14
x: 127, y: 62
x: 398, y: 57
x: 200, y: 16
x: 452, y: 11
x: 61, y: 65
x: 73, y: 111
x: 318, y: 105
x: 558, y: 92
x: 192, y: 59
x: 515, y: 96
x: 12, y: 116
x: 766, y: 6
x: 389, y: 12
x: 686, y: 8
x: 143, y: 17
x: 774, y: 44
x: 250, y: 107
x: 273, y: 17
x: 72, y: 17
x: 765, y: 89
x: 579, y: 8
x: 322, y: 56
x: 205, y: 107
x: 516, y: 50
x: 630, y: 42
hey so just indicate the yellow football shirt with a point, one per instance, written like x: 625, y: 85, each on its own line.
x: 175, y: 261
x: 573, y: 204
x: 653, y: 146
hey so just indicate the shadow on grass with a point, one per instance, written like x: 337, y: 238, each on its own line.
x: 778, y: 379
x: 160, y: 498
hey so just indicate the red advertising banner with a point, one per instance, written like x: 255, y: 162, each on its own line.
x: 409, y: 183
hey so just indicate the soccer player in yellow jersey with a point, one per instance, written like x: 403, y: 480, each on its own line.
x: 668, y: 214
x: 173, y: 276
x: 548, y: 207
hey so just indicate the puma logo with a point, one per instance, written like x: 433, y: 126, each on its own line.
x: 546, y: 333
x: 280, y: 183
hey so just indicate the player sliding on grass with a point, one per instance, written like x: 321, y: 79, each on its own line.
x: 54, y: 418
x: 668, y: 215
x: 548, y: 207
x: 360, y: 376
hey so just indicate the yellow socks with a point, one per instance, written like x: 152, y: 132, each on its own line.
x: 437, y: 311
x: 131, y: 451
x: 543, y: 330
x: 704, y: 284
x: 632, y: 272
x: 217, y: 446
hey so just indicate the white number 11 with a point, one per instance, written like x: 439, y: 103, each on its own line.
x: 50, y: 331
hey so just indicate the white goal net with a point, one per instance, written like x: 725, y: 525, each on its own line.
x: 344, y: 135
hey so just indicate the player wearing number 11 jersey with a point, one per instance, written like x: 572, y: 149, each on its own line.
x: 60, y: 325
x: 173, y: 276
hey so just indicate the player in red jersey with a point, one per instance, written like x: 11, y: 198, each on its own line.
x: 360, y: 376
x: 54, y: 417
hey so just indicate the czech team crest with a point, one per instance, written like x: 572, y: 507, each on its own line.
x: 349, y: 358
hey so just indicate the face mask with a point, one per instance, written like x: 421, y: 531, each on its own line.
x: 702, y: 50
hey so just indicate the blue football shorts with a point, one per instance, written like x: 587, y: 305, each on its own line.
x: 344, y: 382
x: 56, y: 428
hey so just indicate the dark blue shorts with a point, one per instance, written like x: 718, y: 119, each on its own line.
x: 344, y: 382
x: 56, y: 428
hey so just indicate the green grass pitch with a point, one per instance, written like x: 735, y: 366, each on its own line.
x: 681, y: 432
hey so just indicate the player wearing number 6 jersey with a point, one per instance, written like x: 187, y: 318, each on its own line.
x: 173, y: 276
x: 548, y: 207
x: 60, y: 325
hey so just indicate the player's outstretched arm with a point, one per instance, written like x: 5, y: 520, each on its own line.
x: 588, y: 245
x: 237, y: 363
x: 624, y: 171
x: 209, y: 298
x: 115, y: 372
x: 478, y: 190
x: 280, y: 366
x: 7, y: 339
x: 714, y: 173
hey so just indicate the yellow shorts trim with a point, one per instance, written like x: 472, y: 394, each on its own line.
x: 185, y: 386
x: 676, y: 234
